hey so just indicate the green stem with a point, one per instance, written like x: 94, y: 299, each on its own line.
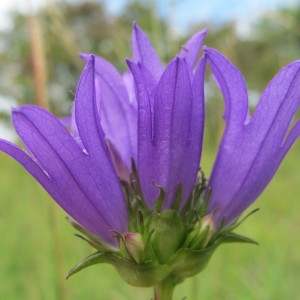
x: 164, y: 290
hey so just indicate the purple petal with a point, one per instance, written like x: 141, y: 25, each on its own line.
x: 191, y: 49
x: 144, y: 126
x: 166, y: 147
x: 118, y: 163
x: 197, y: 125
x: 63, y: 189
x: 234, y: 90
x: 66, y: 121
x: 91, y: 133
x: 85, y: 185
x: 130, y: 87
x: 118, y: 113
x: 250, y: 154
x: 269, y: 128
x: 143, y: 52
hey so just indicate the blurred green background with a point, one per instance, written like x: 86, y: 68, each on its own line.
x: 39, y: 65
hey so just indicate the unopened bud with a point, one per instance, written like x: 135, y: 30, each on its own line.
x: 207, y: 225
x: 200, y: 236
x: 132, y: 246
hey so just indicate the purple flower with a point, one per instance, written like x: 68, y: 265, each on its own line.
x: 252, y: 148
x: 161, y: 131
x: 126, y: 170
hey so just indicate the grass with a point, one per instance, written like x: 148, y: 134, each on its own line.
x: 29, y: 264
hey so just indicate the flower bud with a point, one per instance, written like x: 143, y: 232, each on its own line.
x: 132, y: 246
x: 200, y: 236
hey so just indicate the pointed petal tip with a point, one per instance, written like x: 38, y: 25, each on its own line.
x: 82, y: 54
x: 129, y: 61
x: 203, y: 32
x: 16, y: 109
x: 207, y: 49
x: 131, y: 64
x: 24, y: 109
x: 178, y: 61
x: 212, y: 53
x: 135, y: 26
x: 87, y: 57
x: 91, y: 59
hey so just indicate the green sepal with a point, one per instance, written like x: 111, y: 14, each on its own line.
x: 188, y: 262
x: 95, y: 258
x: 92, y: 239
x: 232, y: 237
x: 134, y: 274
x: 239, y: 222
x: 178, y: 198
x: 161, y: 198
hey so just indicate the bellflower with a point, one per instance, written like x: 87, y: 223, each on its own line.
x: 127, y: 168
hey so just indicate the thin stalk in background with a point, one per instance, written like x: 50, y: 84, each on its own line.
x: 39, y: 65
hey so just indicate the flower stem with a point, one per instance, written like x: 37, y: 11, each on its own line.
x: 164, y: 290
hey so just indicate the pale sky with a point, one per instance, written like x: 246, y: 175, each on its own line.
x: 182, y: 12
x: 185, y: 12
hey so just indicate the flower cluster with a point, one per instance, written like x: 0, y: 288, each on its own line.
x: 127, y: 167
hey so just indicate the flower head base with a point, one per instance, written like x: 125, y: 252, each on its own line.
x: 174, y: 243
